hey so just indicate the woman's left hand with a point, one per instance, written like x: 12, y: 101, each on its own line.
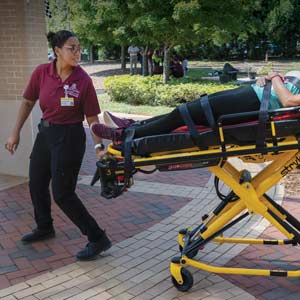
x: 261, y: 81
x: 271, y: 75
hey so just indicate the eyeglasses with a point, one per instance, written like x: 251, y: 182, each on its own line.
x: 73, y: 49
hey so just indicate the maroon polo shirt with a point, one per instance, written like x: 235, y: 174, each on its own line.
x: 47, y: 86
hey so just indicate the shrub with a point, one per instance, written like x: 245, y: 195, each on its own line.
x: 150, y: 90
x: 264, y: 70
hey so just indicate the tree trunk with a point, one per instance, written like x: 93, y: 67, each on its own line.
x: 145, y: 62
x: 91, y: 54
x: 291, y: 45
x: 166, y: 72
x: 267, y: 56
x: 251, y: 49
x: 123, y: 59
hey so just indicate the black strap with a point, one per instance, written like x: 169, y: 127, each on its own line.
x: 294, y: 80
x: 263, y: 117
x: 185, y: 114
x: 208, y: 112
x: 127, y: 145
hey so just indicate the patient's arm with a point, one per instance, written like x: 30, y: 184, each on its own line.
x: 286, y: 98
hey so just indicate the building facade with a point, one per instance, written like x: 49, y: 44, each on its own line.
x: 23, y: 45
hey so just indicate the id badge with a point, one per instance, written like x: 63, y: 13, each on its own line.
x: 66, y: 101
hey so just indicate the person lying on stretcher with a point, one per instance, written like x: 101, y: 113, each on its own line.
x: 284, y: 93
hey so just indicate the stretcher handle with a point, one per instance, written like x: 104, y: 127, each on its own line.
x: 231, y: 117
x: 284, y: 110
x: 294, y: 80
x: 263, y: 116
x: 273, y: 112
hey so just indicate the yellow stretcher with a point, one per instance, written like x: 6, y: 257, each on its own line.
x: 280, y: 146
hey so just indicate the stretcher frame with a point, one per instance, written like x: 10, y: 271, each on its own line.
x: 248, y: 197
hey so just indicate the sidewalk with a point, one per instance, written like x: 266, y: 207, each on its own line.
x: 143, y: 225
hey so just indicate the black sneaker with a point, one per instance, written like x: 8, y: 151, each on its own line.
x: 93, y: 249
x: 38, y: 235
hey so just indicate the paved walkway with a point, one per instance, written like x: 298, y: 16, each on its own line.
x: 99, y: 71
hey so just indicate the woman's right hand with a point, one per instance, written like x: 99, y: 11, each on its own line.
x: 12, y: 143
x: 100, y: 153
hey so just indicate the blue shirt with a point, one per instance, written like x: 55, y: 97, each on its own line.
x: 274, y: 101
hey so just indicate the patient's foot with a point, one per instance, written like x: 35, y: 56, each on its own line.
x: 116, y: 122
x: 106, y: 132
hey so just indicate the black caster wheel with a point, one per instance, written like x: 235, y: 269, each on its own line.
x: 191, y: 254
x: 188, y: 281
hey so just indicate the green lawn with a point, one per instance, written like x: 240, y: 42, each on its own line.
x: 280, y: 65
x: 146, y: 110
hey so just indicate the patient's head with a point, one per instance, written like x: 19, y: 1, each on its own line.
x: 293, y: 74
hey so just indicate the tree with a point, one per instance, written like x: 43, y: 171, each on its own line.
x: 173, y: 23
x: 84, y: 22
x: 102, y: 22
x: 63, y: 17
x: 177, y: 22
x: 114, y: 24
x: 282, y: 24
x: 60, y: 18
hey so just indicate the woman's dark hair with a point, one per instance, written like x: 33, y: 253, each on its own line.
x: 59, y: 38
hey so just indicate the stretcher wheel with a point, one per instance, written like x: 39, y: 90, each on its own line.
x: 191, y: 254
x: 187, y: 283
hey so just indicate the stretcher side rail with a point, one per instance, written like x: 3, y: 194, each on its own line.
x: 203, y: 156
x: 242, y: 136
x: 110, y: 171
x: 229, y: 118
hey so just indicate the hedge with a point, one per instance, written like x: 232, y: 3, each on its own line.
x: 150, y: 90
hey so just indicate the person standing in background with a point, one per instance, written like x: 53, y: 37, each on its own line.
x: 133, y: 56
x: 185, y: 65
x: 157, y: 62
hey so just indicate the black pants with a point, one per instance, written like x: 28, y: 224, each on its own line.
x: 57, y: 156
x: 242, y: 99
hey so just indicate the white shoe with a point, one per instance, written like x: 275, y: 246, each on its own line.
x: 108, y: 120
x: 116, y: 122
